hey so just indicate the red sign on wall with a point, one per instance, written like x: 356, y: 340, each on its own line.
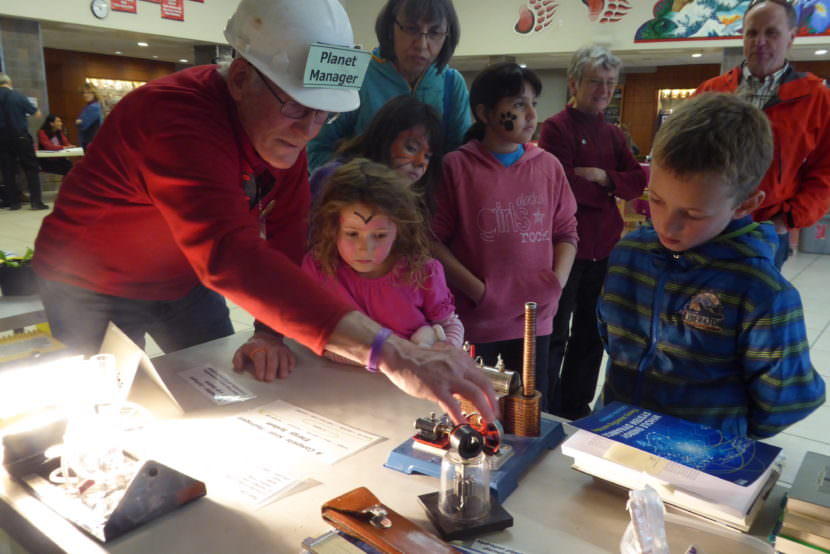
x: 172, y: 9
x: 123, y: 6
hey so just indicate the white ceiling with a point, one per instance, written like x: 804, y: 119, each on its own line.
x: 98, y: 40
x: 104, y: 41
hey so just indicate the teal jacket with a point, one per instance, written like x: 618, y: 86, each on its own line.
x: 445, y: 91
x: 714, y: 334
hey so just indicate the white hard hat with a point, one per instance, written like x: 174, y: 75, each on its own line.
x: 275, y: 35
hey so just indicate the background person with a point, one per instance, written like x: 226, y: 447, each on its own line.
x: 90, y: 118
x: 797, y: 184
x: 16, y: 146
x: 600, y: 169
x: 198, y: 187
x: 417, y: 39
x: 52, y: 138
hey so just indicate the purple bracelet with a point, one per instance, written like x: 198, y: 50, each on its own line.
x: 374, y: 351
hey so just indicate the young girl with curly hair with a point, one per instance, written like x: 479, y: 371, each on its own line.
x: 369, y: 243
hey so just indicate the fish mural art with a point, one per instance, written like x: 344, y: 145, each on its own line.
x: 708, y: 19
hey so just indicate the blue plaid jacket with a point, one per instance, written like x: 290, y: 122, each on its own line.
x: 714, y: 334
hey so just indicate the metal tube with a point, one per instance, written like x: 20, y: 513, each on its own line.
x: 529, y: 358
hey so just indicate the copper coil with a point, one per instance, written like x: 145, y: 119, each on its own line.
x: 523, y: 415
x: 529, y: 358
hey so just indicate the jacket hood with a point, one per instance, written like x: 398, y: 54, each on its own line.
x: 742, y: 239
x: 478, y: 152
x: 387, y: 69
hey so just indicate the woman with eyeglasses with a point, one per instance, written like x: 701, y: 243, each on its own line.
x: 416, y: 40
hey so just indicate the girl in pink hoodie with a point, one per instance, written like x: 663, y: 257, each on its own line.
x: 369, y: 245
x: 505, y: 221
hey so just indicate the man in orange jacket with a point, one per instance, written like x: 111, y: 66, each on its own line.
x: 797, y: 184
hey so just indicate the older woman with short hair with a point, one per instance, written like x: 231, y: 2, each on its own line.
x: 600, y: 169
x: 416, y: 40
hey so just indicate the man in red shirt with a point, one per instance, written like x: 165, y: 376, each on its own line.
x: 196, y: 186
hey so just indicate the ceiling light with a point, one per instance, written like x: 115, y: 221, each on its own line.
x: 142, y: 44
x: 697, y: 55
x: 821, y: 52
x: 155, y: 57
x: 119, y: 52
x: 523, y: 65
x: 182, y: 60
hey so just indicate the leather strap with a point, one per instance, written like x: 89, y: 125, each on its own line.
x: 360, y: 514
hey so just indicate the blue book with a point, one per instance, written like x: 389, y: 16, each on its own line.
x: 739, y: 460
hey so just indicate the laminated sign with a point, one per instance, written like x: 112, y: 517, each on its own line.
x: 330, y: 66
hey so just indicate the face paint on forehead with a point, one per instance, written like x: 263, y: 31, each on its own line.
x: 506, y: 120
x: 366, y: 220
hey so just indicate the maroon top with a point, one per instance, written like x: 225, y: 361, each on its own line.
x: 581, y: 139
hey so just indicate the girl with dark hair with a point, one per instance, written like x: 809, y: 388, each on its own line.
x: 369, y: 245
x: 405, y: 135
x: 417, y: 38
x: 52, y: 137
x: 505, y: 221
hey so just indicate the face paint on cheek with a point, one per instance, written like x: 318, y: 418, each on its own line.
x: 506, y: 120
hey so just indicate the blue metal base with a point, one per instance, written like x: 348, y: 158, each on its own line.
x: 503, y: 481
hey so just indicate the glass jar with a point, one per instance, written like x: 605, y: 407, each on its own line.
x: 465, y: 486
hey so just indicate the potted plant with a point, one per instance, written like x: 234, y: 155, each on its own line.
x: 16, y: 274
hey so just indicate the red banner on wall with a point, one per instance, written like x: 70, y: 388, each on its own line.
x: 123, y: 6
x: 172, y: 9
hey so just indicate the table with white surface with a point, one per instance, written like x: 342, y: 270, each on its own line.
x: 74, y: 152
x: 555, y: 509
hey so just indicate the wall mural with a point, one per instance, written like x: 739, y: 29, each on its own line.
x: 706, y: 19
x: 536, y: 15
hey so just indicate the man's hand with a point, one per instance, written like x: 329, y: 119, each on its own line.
x: 780, y: 222
x: 439, y: 374
x: 270, y: 356
x: 435, y: 374
x: 595, y: 174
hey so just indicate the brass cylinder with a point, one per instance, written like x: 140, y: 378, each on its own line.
x: 522, y: 415
x: 529, y: 358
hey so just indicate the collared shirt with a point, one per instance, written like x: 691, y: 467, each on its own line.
x: 759, y: 91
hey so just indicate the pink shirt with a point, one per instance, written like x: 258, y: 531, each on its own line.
x: 502, y: 223
x: 391, y: 300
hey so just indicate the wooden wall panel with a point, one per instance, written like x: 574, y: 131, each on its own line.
x: 640, y: 99
x: 66, y: 71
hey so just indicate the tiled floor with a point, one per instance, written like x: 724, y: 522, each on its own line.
x: 810, y: 273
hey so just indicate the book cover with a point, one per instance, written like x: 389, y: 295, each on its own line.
x: 810, y: 493
x: 18, y: 346
x: 694, y: 491
x: 786, y: 545
x: 739, y: 460
x: 807, y: 524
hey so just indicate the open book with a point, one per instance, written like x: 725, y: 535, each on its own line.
x: 692, y: 466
